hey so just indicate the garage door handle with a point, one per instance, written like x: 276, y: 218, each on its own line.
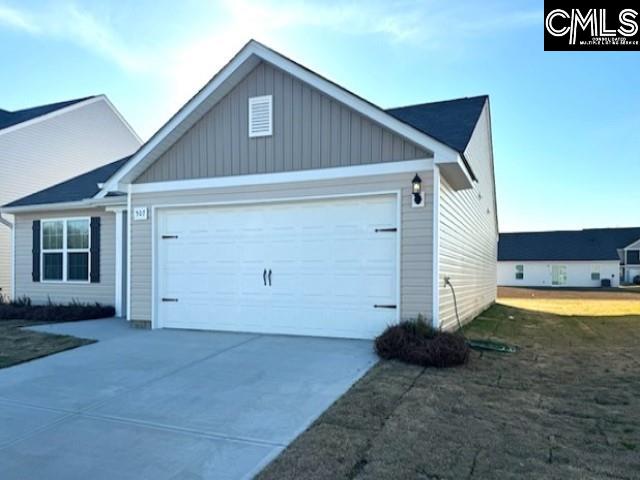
x: 269, y: 277
x: 385, y: 306
x: 169, y: 299
x: 264, y: 277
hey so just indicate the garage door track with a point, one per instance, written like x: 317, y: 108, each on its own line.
x: 167, y: 404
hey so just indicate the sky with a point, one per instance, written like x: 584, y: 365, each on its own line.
x: 566, y: 125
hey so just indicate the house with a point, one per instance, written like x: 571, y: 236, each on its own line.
x: 41, y: 146
x: 277, y: 201
x: 574, y: 258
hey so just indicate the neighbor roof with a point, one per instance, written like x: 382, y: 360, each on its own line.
x: 451, y: 121
x: 78, y: 188
x: 590, y: 244
x: 9, y: 119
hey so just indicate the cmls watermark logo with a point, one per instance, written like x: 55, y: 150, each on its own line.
x: 574, y: 26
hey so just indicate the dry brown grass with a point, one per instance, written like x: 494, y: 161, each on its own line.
x: 580, y: 302
x: 564, y: 407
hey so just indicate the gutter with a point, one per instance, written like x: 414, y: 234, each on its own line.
x: 87, y: 203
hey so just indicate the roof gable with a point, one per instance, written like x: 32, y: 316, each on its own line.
x: 230, y: 75
x: 10, y: 119
x: 310, y: 130
x: 590, y: 244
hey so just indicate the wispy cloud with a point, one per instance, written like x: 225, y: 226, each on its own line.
x: 184, y: 61
x: 69, y: 22
x: 17, y: 19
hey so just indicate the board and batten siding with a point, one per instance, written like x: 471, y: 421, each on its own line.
x: 63, y: 292
x: 310, y: 130
x: 468, y: 236
x: 415, y: 224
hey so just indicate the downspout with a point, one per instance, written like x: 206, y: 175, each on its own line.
x: 435, y: 294
x: 10, y: 226
x: 6, y: 222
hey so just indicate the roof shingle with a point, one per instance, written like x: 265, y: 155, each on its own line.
x: 9, y: 119
x: 78, y: 188
x: 589, y: 244
x: 451, y: 121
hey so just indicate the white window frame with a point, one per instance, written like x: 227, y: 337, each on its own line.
x: 595, y: 269
x: 517, y: 272
x: 64, y: 250
x: 260, y: 99
x: 566, y: 275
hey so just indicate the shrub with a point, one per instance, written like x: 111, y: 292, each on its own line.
x: 22, y: 309
x: 418, y: 343
x: 636, y: 280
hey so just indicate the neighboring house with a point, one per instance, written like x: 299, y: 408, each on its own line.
x: 630, y: 256
x: 44, y: 145
x: 277, y: 201
x: 576, y: 258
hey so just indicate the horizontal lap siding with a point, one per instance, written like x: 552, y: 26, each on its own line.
x: 539, y: 273
x: 468, y: 236
x: 39, y: 292
x: 310, y: 130
x: 50, y: 151
x: 5, y: 261
x: 415, y: 224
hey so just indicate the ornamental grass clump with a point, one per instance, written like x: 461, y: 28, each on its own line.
x: 418, y: 343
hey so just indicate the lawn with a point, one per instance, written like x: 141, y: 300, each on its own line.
x: 590, y: 302
x: 18, y: 345
x: 565, y: 406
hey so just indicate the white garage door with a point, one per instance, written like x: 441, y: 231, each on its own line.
x: 326, y: 268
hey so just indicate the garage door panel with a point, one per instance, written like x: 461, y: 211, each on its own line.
x: 329, y: 267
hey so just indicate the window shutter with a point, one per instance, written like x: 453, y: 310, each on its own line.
x: 35, y: 252
x: 260, y: 116
x: 95, y: 250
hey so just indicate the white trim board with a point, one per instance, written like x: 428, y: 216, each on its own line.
x: 47, y: 207
x: 233, y: 72
x: 388, y: 168
x: 119, y: 260
x: 70, y: 108
x: 435, y: 288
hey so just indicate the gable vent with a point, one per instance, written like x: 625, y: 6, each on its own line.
x: 260, y: 116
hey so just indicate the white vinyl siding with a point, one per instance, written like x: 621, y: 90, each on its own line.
x: 52, y: 150
x: 63, y: 292
x: 415, y: 224
x: 468, y: 236
x: 579, y: 273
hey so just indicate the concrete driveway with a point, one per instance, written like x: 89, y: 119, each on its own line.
x: 167, y: 404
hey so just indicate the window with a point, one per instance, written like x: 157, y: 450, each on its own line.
x: 633, y: 257
x: 519, y: 272
x: 65, y: 250
x: 595, y: 272
x: 558, y: 275
x: 260, y: 116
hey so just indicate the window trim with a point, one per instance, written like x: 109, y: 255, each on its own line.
x: 521, y: 272
x: 64, y: 250
x: 595, y: 269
